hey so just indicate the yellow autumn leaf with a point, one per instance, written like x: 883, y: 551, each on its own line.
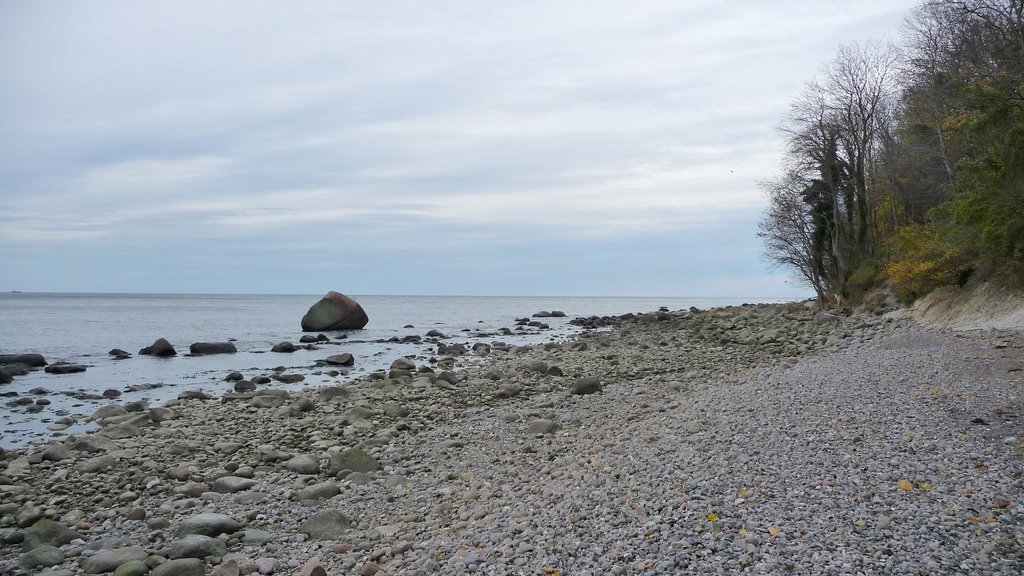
x: 860, y: 523
x: 774, y: 531
x: 743, y: 530
x: 904, y: 485
x: 712, y: 517
x: 924, y: 485
x: 741, y: 493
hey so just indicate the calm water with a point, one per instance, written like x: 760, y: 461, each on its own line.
x: 82, y: 328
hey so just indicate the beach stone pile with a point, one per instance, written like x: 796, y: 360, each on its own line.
x: 762, y: 439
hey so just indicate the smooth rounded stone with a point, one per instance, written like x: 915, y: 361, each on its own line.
x: 303, y: 464
x: 328, y: 393
x: 180, y: 473
x: 508, y: 390
x: 255, y: 537
x: 326, y: 525
x: 244, y: 386
x: 448, y: 377
x: 133, y: 568
x: 193, y: 489
x: 321, y: 491
x: 266, y: 401
x: 343, y: 359
x: 435, y: 333
x: 208, y: 524
x: 161, y: 414
x: 109, y: 411
x: 227, y: 448
x: 266, y: 565
x: 284, y: 348
x: 554, y: 371
x: 159, y: 347
x: 120, y: 431
x: 197, y: 546
x: 41, y: 556
x: 369, y: 569
x: 232, y: 484
x: 64, y: 368
x: 5, y: 375
x: 313, y: 567
x: 586, y: 385
x: 107, y: 560
x: 194, y: 395
x: 234, y: 376
x: 30, y: 360
x: 28, y: 515
x: 180, y: 567
x: 334, y: 311
x: 96, y: 464
x: 56, y: 453
x: 90, y: 443
x: 353, y: 459
x: 46, y: 532
x: 111, y: 393
x: 358, y: 478
x: 403, y: 364
x: 395, y: 410
x: 541, y: 426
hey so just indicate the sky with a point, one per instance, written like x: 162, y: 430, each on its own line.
x: 590, y: 148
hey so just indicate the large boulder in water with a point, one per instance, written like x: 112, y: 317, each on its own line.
x: 160, y: 347
x: 30, y: 360
x: 334, y: 311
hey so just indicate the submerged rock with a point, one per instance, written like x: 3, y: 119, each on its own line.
x: 203, y: 348
x: 334, y: 311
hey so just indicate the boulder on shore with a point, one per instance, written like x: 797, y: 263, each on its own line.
x: 161, y: 347
x: 334, y: 311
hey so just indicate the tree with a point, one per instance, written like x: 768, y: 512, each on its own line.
x: 789, y: 232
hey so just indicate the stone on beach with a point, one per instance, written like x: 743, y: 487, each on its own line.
x: 326, y: 525
x: 353, y: 459
x: 107, y: 560
x: 180, y: 567
x: 208, y: 524
x: 334, y: 311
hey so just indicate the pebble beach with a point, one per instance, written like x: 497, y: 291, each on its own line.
x: 762, y: 439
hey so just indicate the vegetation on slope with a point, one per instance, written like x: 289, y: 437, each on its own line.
x: 905, y: 163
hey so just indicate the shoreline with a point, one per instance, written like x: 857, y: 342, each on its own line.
x: 498, y: 468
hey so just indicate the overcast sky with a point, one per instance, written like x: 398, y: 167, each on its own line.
x: 472, y: 147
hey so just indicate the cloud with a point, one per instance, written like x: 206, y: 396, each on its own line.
x: 393, y: 125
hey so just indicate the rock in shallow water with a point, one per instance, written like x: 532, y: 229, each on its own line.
x: 160, y: 347
x: 204, y: 348
x: 334, y: 311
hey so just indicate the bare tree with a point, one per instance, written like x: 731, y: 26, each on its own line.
x: 787, y: 229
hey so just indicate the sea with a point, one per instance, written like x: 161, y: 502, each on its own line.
x: 82, y: 328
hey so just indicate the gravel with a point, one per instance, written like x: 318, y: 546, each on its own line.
x: 750, y: 439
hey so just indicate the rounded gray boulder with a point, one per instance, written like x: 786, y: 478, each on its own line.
x: 334, y: 311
